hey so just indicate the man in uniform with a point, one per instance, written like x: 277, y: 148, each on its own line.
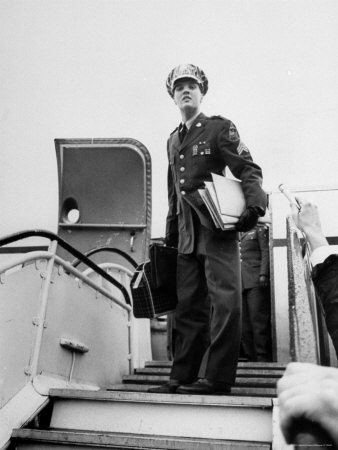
x: 208, y: 315
x: 255, y: 266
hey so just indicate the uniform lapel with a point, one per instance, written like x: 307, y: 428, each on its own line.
x: 197, y: 128
x: 175, y: 140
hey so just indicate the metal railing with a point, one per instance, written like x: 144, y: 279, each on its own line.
x: 302, y: 307
x: 51, y: 259
x: 78, y: 255
x: 47, y: 337
x: 117, y: 251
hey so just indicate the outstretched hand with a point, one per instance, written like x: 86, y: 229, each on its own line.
x: 306, y: 217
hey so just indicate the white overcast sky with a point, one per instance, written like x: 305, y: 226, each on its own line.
x: 97, y: 68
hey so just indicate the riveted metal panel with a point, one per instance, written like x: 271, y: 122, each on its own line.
x: 19, y: 308
x: 78, y: 312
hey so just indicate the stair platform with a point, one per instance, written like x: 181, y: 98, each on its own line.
x: 38, y: 439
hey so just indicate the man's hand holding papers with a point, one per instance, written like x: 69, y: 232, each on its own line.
x: 225, y: 201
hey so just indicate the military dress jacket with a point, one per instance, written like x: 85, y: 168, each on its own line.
x: 254, y: 248
x: 211, y: 145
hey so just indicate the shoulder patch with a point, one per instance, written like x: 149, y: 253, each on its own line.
x: 242, y: 148
x: 233, y: 133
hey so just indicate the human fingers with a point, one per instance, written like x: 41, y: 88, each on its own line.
x: 315, y: 400
x: 299, y: 398
x: 308, y: 219
x: 300, y: 201
x: 304, y: 377
x: 296, y: 207
x: 294, y: 212
x: 291, y: 409
x: 306, y: 206
x: 297, y: 375
x: 298, y: 367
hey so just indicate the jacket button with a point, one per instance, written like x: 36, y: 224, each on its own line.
x: 182, y: 181
x: 183, y: 192
x: 182, y: 169
x: 181, y: 156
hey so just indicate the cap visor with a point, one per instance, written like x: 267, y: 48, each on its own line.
x: 186, y: 78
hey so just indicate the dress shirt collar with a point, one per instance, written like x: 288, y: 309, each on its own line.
x: 191, y: 120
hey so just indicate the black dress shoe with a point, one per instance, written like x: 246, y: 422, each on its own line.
x: 204, y: 386
x: 168, y: 388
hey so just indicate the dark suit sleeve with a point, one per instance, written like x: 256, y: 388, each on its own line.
x: 263, y: 241
x: 325, y: 280
x: 171, y: 234
x: 238, y: 158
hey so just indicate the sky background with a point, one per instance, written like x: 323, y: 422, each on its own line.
x: 97, y: 69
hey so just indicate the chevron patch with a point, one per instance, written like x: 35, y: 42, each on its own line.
x: 242, y: 148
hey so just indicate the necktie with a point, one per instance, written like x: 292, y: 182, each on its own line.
x: 182, y: 133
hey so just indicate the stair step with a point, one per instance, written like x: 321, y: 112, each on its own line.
x: 229, y: 418
x: 241, y: 364
x: 33, y: 439
x: 145, y: 397
x: 235, y: 391
x: 160, y: 379
x: 250, y: 373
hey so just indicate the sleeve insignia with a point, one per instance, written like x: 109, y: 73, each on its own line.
x: 242, y: 148
x: 233, y: 133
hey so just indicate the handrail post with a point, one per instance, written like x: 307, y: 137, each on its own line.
x: 303, y: 336
x: 42, y: 311
x: 130, y: 345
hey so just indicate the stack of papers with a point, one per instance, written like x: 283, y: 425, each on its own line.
x: 225, y: 201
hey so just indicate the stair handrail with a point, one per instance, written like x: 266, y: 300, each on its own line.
x: 93, y: 251
x: 80, y: 256
x: 29, y: 399
x: 302, y: 308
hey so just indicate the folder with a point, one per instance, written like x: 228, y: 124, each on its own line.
x: 225, y: 201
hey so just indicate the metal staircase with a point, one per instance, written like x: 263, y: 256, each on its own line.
x: 253, y: 379
x: 127, y: 416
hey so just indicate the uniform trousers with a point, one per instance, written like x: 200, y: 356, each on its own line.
x: 256, y: 332
x: 208, y: 314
